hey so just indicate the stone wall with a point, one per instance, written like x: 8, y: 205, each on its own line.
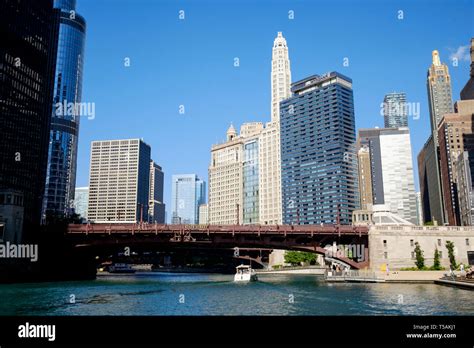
x: 400, y: 243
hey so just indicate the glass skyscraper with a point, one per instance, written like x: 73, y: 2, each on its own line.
x: 62, y: 153
x: 395, y: 110
x: 187, y: 193
x: 27, y: 58
x: 319, y: 163
x: 250, y: 182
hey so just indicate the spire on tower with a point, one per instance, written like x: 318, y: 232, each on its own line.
x: 436, y: 60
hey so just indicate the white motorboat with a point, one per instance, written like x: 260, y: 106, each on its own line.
x: 244, y: 273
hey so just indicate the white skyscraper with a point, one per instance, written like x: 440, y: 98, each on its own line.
x: 281, y: 75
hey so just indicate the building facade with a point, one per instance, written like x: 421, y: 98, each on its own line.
x: 280, y: 75
x: 64, y: 133
x: 187, y: 193
x: 365, y: 178
x: 393, y: 181
x: 464, y: 167
x: 119, y: 181
x: 468, y: 90
x: 81, y: 199
x: 203, y: 214
x: 440, y: 99
x: 395, y: 110
x: 318, y: 158
x: 28, y: 45
x: 156, y: 210
x: 455, y: 135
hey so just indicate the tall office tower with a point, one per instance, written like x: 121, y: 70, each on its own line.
x: 455, y: 134
x: 393, y: 183
x: 63, y: 141
x: 250, y: 181
x: 468, y: 90
x: 187, y: 193
x: 439, y: 93
x: 203, y: 214
x: 430, y: 183
x: 365, y: 178
x: 281, y: 75
x: 226, y: 181
x: 318, y: 159
x: 119, y: 181
x: 81, y: 199
x: 27, y: 63
x: 419, y: 209
x: 440, y: 103
x: 395, y: 110
x: 156, y: 210
x: 464, y: 167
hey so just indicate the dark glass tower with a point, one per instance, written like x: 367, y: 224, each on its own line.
x: 62, y: 153
x: 27, y: 58
x: 318, y: 160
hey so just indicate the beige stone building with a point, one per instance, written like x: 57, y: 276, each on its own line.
x: 395, y: 245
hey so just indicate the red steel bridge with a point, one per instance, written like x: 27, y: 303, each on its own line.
x: 312, y: 238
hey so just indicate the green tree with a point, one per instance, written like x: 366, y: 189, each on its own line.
x: 295, y: 258
x: 436, y: 261
x: 420, y: 259
x: 452, y: 258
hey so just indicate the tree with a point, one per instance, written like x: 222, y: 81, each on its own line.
x: 452, y: 258
x: 420, y: 259
x: 295, y: 258
x: 436, y: 261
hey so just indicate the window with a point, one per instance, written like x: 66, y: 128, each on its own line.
x: 385, y: 255
x: 467, y: 241
x: 412, y: 242
x: 439, y: 242
x: 384, y: 243
x: 440, y: 254
x: 412, y: 254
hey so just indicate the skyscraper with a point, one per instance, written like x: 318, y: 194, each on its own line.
x: 439, y: 93
x: 62, y: 152
x: 226, y: 181
x: 119, y: 181
x: 156, y: 213
x: 365, y: 178
x: 468, y: 90
x: 440, y: 103
x: 318, y: 159
x: 464, y: 167
x: 395, y: 110
x: 281, y: 75
x: 27, y: 63
x: 81, y: 199
x: 393, y: 183
x: 187, y: 193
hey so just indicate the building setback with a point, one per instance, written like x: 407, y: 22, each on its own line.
x: 119, y: 181
x: 27, y: 61
x: 187, y: 193
x: 393, y: 182
x: 319, y: 163
x: 63, y: 141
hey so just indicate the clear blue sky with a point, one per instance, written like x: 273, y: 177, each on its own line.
x: 191, y: 62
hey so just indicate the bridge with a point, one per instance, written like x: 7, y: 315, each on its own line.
x: 310, y: 238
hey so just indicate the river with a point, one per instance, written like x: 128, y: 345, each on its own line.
x: 204, y: 294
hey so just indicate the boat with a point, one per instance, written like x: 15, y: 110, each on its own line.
x: 120, y: 268
x: 244, y: 273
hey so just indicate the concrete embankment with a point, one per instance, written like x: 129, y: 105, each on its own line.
x: 294, y: 270
x: 411, y: 276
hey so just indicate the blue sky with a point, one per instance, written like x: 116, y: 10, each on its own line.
x: 190, y: 62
